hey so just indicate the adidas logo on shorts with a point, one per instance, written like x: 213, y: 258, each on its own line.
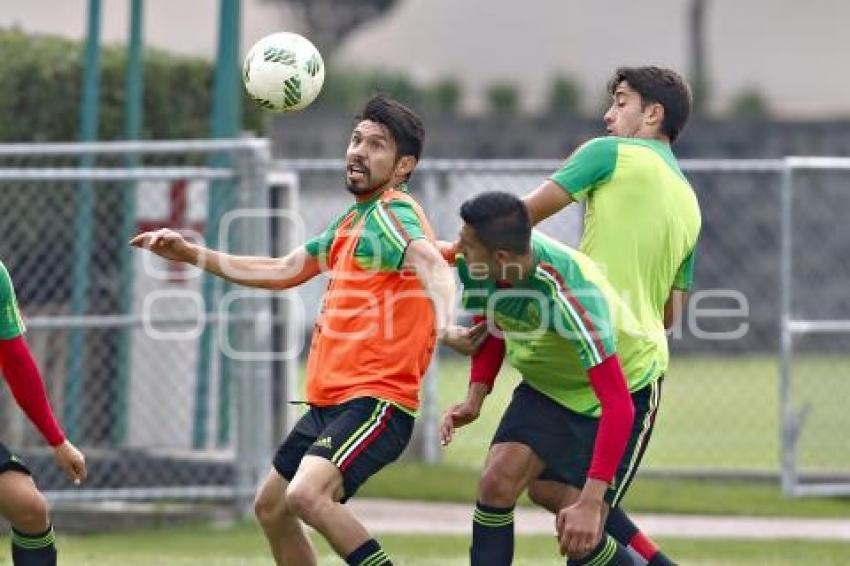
x: 324, y: 443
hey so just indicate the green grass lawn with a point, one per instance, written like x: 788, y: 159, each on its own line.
x: 717, y: 413
x: 243, y: 545
x: 446, y: 482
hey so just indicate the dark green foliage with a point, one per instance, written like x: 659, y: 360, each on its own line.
x: 40, y: 79
x: 749, y: 103
x: 564, y: 96
x: 503, y: 99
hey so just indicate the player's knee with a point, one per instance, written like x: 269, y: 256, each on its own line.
x: 32, y: 515
x: 305, y: 502
x: 497, y: 489
x: 265, y: 507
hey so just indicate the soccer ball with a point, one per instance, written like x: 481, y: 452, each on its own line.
x: 283, y: 72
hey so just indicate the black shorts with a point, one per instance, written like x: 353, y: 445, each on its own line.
x: 9, y: 461
x: 564, y: 439
x: 359, y: 437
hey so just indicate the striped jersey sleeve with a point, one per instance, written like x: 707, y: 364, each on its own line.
x: 11, y: 324
x: 590, y: 165
x: 394, y: 225
x: 580, y: 315
x: 319, y: 245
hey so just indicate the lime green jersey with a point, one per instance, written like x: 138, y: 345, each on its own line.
x: 561, y: 320
x: 641, y: 223
x: 11, y: 325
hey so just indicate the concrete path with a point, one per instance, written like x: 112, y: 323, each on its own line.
x: 386, y: 516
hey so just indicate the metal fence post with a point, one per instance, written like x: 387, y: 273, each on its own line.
x: 431, y: 390
x: 788, y: 426
x: 253, y: 385
x: 83, y: 226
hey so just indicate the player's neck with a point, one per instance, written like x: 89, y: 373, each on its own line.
x: 654, y: 136
x: 378, y: 191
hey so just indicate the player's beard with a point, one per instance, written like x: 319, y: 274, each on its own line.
x: 366, y: 186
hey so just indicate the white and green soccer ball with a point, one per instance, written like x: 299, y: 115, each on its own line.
x: 283, y: 72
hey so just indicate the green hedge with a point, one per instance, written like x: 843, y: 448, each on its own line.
x: 40, y: 78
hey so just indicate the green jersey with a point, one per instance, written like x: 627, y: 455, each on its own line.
x: 11, y: 325
x: 641, y: 222
x: 387, y: 229
x: 562, y: 320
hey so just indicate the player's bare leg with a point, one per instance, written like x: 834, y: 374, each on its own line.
x: 314, y: 495
x: 22, y: 504
x: 551, y: 495
x: 509, y: 468
x: 287, y: 540
x: 26, y: 509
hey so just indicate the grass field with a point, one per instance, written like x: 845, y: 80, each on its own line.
x: 243, y: 546
x: 647, y: 495
x: 716, y: 413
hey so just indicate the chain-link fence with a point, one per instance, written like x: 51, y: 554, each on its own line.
x: 721, y: 405
x: 148, y: 365
x: 133, y: 349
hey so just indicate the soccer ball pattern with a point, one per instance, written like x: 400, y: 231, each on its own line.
x: 283, y: 72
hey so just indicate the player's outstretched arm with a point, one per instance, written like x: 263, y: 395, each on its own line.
x: 24, y: 379
x: 252, y: 271
x: 546, y: 200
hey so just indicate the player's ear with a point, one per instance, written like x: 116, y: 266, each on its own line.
x: 405, y: 165
x: 654, y: 115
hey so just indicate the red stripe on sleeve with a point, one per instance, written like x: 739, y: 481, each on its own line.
x: 615, y: 423
x: 27, y: 387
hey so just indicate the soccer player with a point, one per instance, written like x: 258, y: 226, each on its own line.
x: 391, y: 294
x: 641, y: 223
x: 589, y: 389
x: 21, y: 503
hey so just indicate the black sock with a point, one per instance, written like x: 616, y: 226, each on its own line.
x: 627, y: 534
x: 660, y: 559
x: 608, y: 552
x: 34, y: 550
x: 492, y: 536
x: 369, y: 553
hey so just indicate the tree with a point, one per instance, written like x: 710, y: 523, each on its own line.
x: 503, y: 99
x: 329, y: 22
x: 445, y: 96
x: 564, y: 96
x: 749, y: 103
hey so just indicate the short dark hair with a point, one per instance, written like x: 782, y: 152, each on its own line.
x: 500, y: 221
x: 664, y: 86
x: 404, y: 124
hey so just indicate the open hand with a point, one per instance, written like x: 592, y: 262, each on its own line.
x: 166, y: 243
